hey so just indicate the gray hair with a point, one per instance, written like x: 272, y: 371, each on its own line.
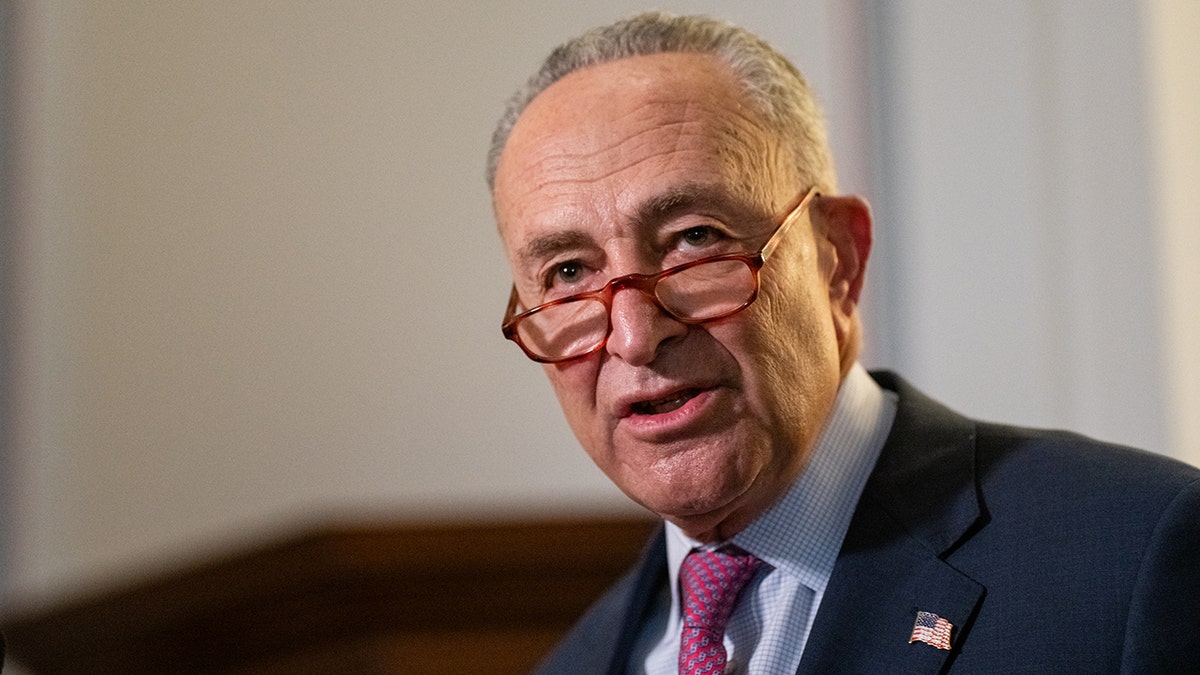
x: 772, y: 84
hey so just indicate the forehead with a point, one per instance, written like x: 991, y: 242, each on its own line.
x: 596, y: 145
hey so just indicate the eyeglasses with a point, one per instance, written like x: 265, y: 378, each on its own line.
x: 695, y: 292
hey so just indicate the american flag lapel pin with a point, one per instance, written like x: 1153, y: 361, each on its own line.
x: 931, y: 629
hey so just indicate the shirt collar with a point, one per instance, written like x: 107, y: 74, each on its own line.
x: 803, y: 532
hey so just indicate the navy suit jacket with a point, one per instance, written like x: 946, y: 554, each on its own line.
x: 1047, y: 551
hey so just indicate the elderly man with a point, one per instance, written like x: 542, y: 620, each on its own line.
x: 687, y: 274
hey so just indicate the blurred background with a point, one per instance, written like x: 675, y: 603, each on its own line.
x: 251, y: 282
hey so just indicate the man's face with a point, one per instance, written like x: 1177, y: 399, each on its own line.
x: 637, y: 165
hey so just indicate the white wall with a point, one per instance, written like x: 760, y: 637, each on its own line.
x: 257, y: 278
x: 1038, y: 211
x: 257, y: 284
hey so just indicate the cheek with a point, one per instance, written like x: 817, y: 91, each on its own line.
x: 790, y: 354
x: 574, y: 385
x: 797, y: 314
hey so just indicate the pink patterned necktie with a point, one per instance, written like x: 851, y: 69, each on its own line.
x: 711, y: 582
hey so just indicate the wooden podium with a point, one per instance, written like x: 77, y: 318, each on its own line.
x: 488, y: 598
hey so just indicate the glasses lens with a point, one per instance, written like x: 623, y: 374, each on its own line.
x: 708, y: 290
x: 566, y: 330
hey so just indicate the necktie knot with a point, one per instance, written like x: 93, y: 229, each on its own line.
x: 710, y: 582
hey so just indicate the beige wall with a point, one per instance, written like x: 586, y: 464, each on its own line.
x: 1173, y: 70
x: 257, y: 279
x: 257, y: 285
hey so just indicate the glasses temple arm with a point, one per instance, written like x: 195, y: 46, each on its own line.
x: 787, y: 223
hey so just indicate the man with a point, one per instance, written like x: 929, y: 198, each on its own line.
x: 688, y: 276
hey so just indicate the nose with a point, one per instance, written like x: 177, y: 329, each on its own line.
x: 639, y: 327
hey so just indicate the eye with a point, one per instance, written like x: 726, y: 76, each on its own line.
x: 698, y: 236
x: 569, y: 272
x: 566, y: 277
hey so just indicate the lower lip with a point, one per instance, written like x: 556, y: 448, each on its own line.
x: 675, y: 422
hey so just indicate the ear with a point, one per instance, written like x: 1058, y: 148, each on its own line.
x: 845, y: 222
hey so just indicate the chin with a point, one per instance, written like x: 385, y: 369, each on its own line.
x: 689, y: 505
x: 689, y: 479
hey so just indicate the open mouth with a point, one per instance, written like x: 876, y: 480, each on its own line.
x: 666, y: 404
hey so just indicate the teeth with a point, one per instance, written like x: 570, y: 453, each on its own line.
x: 664, y: 405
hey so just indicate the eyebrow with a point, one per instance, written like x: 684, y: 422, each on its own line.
x: 654, y: 211
x: 547, y: 245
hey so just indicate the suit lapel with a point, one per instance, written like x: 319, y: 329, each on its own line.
x: 649, y: 576
x: 919, y: 503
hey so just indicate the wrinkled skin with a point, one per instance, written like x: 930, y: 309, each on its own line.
x: 642, y: 163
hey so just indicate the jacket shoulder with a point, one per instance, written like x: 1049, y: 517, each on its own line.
x: 604, y: 636
x: 1087, y: 549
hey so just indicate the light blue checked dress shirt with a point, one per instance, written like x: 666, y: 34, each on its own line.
x: 799, y: 539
